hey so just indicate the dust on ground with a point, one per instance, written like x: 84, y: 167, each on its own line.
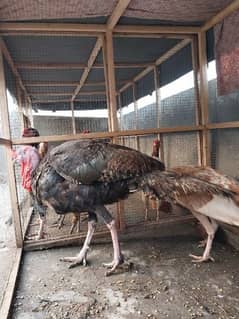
x: 158, y: 281
x: 7, y: 242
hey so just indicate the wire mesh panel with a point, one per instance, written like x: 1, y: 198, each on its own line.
x: 180, y: 149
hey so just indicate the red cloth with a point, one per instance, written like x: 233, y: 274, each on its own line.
x: 26, y: 175
x: 227, y: 54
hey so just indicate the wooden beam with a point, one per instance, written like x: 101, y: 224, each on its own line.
x: 40, y: 84
x: 232, y: 7
x: 158, y: 100
x: 4, y: 115
x: 9, y: 60
x: 146, y: 29
x: 52, y: 27
x: 57, y: 138
x: 11, y: 284
x: 117, y: 13
x: 198, y: 113
x: 64, y: 101
x: 91, y: 60
x: 73, y: 118
x: 222, y: 125
x: 5, y: 142
x: 107, y: 85
x: 203, y: 87
x: 111, y: 80
x: 159, y: 61
x: 74, y: 66
x: 152, y: 35
x: 67, y: 94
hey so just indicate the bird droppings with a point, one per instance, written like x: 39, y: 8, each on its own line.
x: 157, y: 288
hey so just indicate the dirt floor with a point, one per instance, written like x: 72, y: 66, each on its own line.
x: 158, y: 281
x: 7, y: 241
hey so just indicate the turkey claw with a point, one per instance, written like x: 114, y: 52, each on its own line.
x: 199, y: 259
x: 75, y: 261
x: 113, y: 265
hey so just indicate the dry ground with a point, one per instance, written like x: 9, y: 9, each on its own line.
x: 161, y: 282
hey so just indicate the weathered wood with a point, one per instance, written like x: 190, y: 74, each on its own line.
x: 10, y: 288
x: 9, y: 60
x: 68, y: 94
x: 5, y: 142
x: 74, y: 66
x: 152, y: 35
x: 195, y: 63
x: 159, y: 61
x: 91, y: 60
x: 204, y: 97
x: 55, y: 138
x: 232, y: 7
x: 129, y: 232
x: 157, y: 94
x: 73, y: 118
x: 117, y: 13
x: 107, y: 85
x: 111, y: 80
x: 52, y: 27
x: 146, y: 29
x: 10, y: 170
x: 211, y: 126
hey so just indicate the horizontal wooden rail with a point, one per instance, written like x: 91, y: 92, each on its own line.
x: 146, y: 29
x: 211, y: 126
x: 54, y: 138
x: 6, y: 142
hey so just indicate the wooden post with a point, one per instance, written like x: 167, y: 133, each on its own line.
x: 198, y: 113
x: 135, y: 115
x: 203, y: 92
x: 111, y: 80
x: 19, y: 104
x: 157, y: 93
x: 106, y: 84
x: 73, y: 118
x: 10, y: 168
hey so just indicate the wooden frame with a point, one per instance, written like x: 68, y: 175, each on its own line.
x: 108, y: 31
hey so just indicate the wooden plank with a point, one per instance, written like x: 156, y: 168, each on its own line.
x: 55, y: 138
x: 91, y: 60
x: 10, y: 170
x: 9, y: 60
x: 107, y: 85
x: 73, y: 118
x: 74, y: 66
x: 53, y: 27
x: 232, y: 7
x: 211, y: 126
x: 146, y: 29
x: 159, y: 61
x: 67, y: 94
x: 128, y: 233
x: 204, y: 97
x: 9, y: 291
x: 157, y: 93
x: 111, y: 80
x: 117, y: 13
x: 195, y: 63
x: 40, y: 84
x: 152, y: 35
x: 5, y: 142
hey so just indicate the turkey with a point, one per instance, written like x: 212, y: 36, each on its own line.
x: 86, y: 175
x: 210, y: 196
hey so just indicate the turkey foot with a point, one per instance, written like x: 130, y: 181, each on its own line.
x: 200, y: 259
x: 114, y: 264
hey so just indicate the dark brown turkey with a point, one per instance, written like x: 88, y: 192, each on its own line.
x: 86, y: 175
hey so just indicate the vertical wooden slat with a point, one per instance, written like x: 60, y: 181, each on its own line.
x: 195, y: 63
x: 10, y: 169
x: 157, y: 92
x: 111, y: 80
x: 73, y: 118
x: 204, y: 97
x: 106, y: 84
x: 19, y: 104
x: 135, y: 115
